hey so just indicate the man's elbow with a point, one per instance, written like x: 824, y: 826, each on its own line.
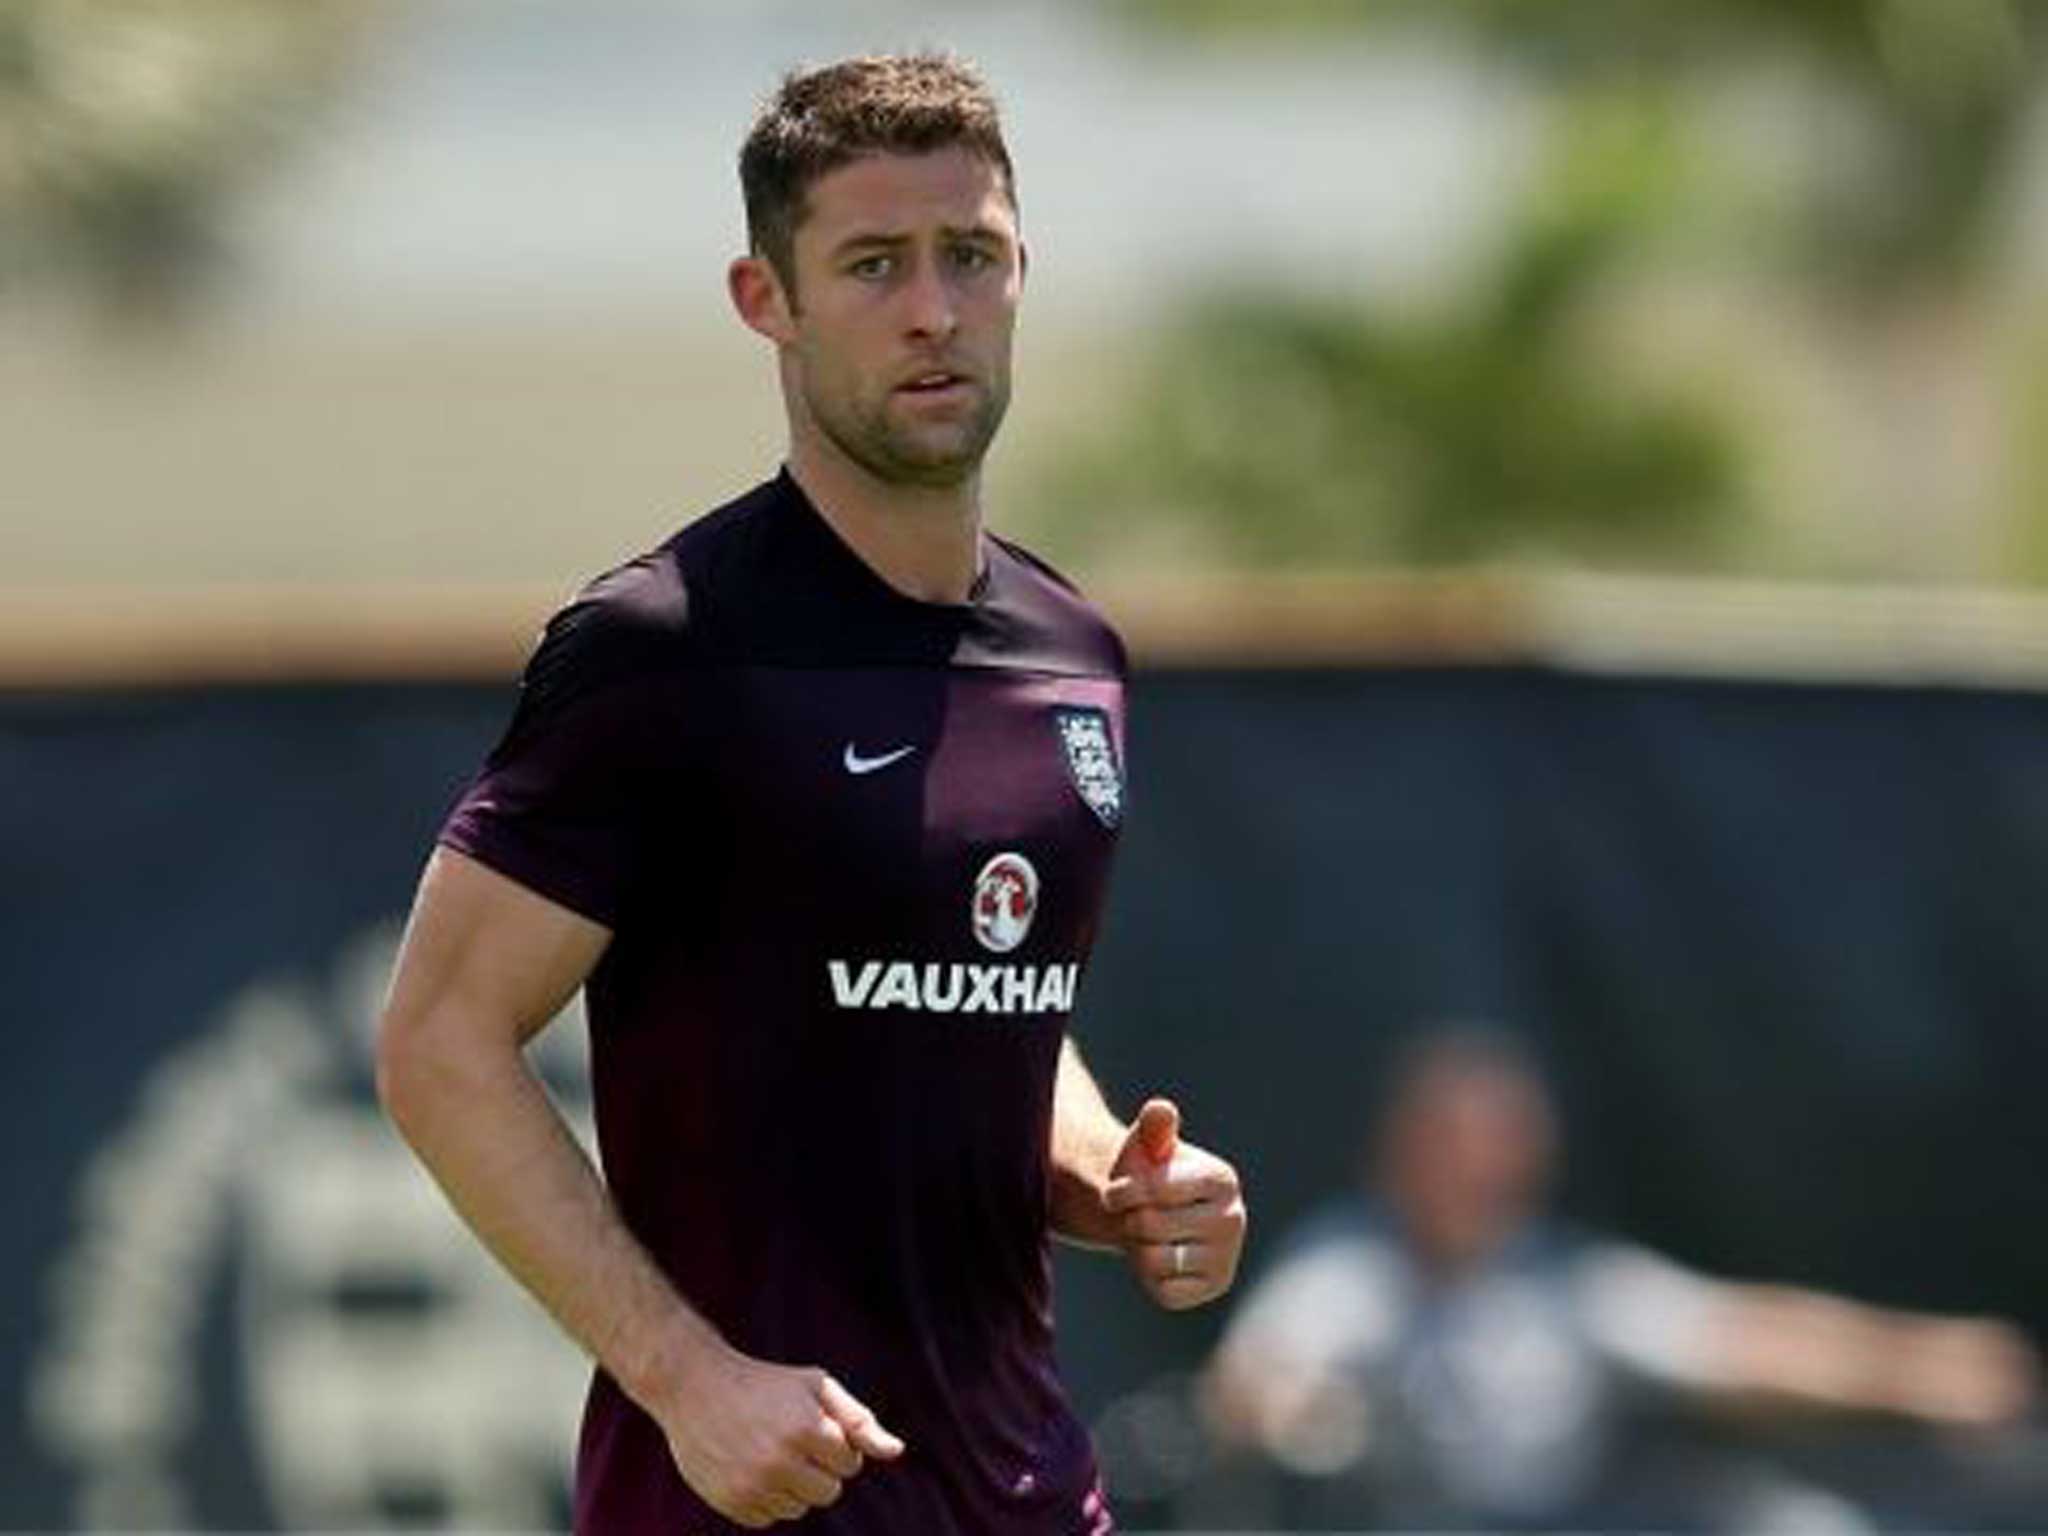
x: 419, y: 1065
x: 395, y: 1060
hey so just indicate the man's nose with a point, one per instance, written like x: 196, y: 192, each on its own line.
x: 930, y: 307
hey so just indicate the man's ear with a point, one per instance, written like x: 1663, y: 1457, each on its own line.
x: 759, y: 299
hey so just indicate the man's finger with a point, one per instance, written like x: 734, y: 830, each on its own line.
x: 1157, y: 1129
x: 1127, y: 1192
x: 864, y: 1432
x: 1180, y: 1292
x: 1154, y: 1223
x: 1178, y: 1260
x: 830, y: 1448
x: 811, y: 1485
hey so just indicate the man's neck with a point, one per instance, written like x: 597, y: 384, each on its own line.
x: 923, y: 541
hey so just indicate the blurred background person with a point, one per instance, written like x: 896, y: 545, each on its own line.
x: 1441, y: 1348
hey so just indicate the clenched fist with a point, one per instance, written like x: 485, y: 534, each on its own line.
x: 761, y: 1442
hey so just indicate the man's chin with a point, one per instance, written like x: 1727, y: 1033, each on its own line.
x: 935, y: 459
x: 931, y: 455
x: 933, y: 474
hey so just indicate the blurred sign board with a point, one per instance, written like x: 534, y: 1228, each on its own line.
x: 1780, y: 940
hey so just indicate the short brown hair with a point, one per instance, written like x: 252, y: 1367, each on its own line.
x: 821, y: 119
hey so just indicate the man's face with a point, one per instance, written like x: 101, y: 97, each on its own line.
x: 908, y: 269
x: 1469, y: 1154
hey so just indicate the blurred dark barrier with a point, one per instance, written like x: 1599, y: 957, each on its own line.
x: 1782, y: 944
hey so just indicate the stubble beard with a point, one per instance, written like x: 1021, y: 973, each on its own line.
x: 899, y: 455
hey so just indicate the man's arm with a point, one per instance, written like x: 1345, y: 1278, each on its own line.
x: 1086, y: 1140
x: 485, y: 964
x: 1786, y: 1347
x: 1288, y: 1374
x: 1175, y: 1211
x: 1798, y: 1348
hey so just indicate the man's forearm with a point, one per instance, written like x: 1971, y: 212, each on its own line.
x: 486, y: 1130
x: 1799, y: 1348
x: 1085, y: 1139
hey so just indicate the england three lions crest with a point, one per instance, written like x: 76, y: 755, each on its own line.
x: 1091, y: 760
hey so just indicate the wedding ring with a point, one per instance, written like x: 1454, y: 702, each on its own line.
x: 1178, y: 1252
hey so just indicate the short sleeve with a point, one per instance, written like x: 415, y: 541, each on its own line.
x: 1329, y: 1303
x: 1655, y: 1317
x: 559, y: 805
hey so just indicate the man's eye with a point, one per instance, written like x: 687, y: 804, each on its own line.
x: 973, y: 258
x: 871, y: 266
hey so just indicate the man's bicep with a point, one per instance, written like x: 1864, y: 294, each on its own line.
x: 483, y: 952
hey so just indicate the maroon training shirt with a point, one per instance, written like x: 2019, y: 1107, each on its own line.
x: 853, y: 849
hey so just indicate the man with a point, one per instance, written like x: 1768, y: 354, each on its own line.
x: 819, y: 801
x: 1445, y: 1351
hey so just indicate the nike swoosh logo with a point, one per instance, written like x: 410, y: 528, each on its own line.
x: 855, y: 763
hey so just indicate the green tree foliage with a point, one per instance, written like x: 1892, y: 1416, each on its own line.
x: 1296, y: 431
x: 125, y: 124
x: 1941, y: 88
x: 1341, y: 430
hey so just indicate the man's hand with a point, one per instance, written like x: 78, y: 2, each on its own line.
x: 1974, y: 1373
x: 1179, y: 1213
x: 761, y: 1442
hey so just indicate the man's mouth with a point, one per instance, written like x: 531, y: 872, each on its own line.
x: 938, y: 381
